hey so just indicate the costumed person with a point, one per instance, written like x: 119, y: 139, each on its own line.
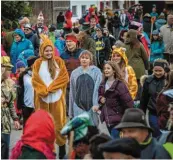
x: 137, y: 57
x: 152, y: 86
x: 71, y: 58
x: 163, y: 103
x: 91, y: 14
x: 114, y: 97
x: 40, y: 28
x: 84, y: 84
x: 37, y: 141
x: 127, y: 72
x: 25, y: 91
x: 83, y: 131
x: 7, y: 102
x: 21, y: 48
x: 67, y: 26
x: 154, y: 13
x: 23, y: 21
x: 49, y: 80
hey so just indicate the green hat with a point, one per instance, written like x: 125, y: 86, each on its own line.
x: 79, y: 125
x: 85, y: 26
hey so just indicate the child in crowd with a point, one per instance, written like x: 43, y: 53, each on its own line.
x: 152, y: 87
x: 114, y: 97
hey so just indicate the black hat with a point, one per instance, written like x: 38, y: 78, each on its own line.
x: 85, y: 26
x: 128, y: 146
x: 31, y: 60
x: 133, y: 118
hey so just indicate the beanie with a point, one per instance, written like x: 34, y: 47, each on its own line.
x: 20, y: 64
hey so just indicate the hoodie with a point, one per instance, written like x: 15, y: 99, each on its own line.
x: 23, y: 49
x: 162, y: 106
x: 159, y: 23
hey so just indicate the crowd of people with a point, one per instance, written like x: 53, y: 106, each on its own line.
x: 59, y: 82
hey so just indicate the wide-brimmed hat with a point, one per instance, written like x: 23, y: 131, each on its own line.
x: 147, y: 15
x: 5, y: 62
x: 133, y: 118
x: 85, y: 26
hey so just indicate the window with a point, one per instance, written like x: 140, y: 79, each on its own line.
x: 74, y: 10
x: 83, y: 9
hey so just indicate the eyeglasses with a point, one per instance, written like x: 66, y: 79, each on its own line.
x: 26, y: 29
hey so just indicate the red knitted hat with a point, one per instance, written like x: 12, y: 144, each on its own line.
x: 68, y: 14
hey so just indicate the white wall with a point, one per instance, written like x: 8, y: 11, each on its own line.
x: 79, y: 4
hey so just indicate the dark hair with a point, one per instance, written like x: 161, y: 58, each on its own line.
x: 76, y: 30
x: 160, y: 39
x: 122, y: 34
x: 95, y: 141
x: 91, y: 17
x: 169, y: 84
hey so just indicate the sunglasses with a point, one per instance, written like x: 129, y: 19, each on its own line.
x: 26, y: 29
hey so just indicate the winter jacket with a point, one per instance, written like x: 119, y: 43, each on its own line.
x: 154, y: 14
x: 111, y: 40
x: 60, y: 45
x: 152, y: 87
x: 35, y: 42
x: 138, y: 59
x: 167, y: 33
x: 23, y: 48
x: 153, y: 150
x: 147, y: 25
x: 71, y: 59
x: 159, y: 23
x: 162, y: 105
x: 157, y: 49
x: 117, y: 100
x: 102, y: 21
x: 116, y: 22
x: 52, y: 37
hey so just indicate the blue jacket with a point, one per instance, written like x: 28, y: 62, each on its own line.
x: 157, y: 49
x: 159, y: 23
x: 60, y: 45
x: 22, y: 49
x: 154, y: 14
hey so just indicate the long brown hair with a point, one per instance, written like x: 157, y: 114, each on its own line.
x: 117, y: 72
x: 52, y: 67
x: 169, y: 84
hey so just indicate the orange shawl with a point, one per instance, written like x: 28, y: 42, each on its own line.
x: 60, y: 82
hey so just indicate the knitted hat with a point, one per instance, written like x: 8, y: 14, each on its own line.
x: 121, y: 52
x: 127, y: 146
x: 71, y: 37
x: 5, y: 62
x: 133, y: 118
x: 44, y: 42
x: 40, y: 16
x: 79, y: 125
x: 20, y: 64
x: 155, y: 32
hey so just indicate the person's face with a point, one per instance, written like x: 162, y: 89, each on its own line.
x: 108, y: 71
x: 124, y: 36
x: 170, y: 19
x: 48, y: 52
x: 116, y: 58
x: 106, y: 32
x: 137, y: 133
x: 154, y: 9
x: 71, y: 45
x: 81, y: 150
x: 93, y: 22
x: 85, y: 60
x: 122, y: 12
x: 116, y: 155
x: 98, y: 33
x: 158, y: 71
x: 40, y: 22
x: 17, y: 38
x: 20, y: 70
x: 27, y: 30
x: 155, y: 37
x: 93, y: 13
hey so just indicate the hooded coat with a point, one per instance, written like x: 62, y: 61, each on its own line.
x: 50, y: 93
x: 21, y: 50
x: 159, y: 23
x: 162, y: 106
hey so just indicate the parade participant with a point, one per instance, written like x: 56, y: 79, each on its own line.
x: 60, y: 20
x: 7, y: 101
x: 152, y: 86
x: 25, y: 91
x: 157, y: 46
x: 110, y: 20
x: 114, y: 97
x: 67, y: 26
x: 124, y: 21
x: 127, y: 72
x: 83, y: 132
x: 29, y: 34
x: 21, y: 47
x: 164, y: 101
x: 122, y: 37
x: 40, y: 28
x: 23, y: 21
x: 154, y: 13
x: 125, y: 148
x: 160, y: 21
x: 116, y: 25
x: 71, y: 58
x: 91, y: 14
x: 134, y: 125
x: 84, y: 84
x: 102, y: 20
x: 103, y: 47
x: 37, y: 141
x: 49, y: 80
x: 109, y: 36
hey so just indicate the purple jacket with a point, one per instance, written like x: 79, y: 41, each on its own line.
x: 118, y: 99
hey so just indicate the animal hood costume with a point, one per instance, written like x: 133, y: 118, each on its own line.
x: 50, y: 92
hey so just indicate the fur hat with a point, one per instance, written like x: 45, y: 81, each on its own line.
x: 40, y: 16
x: 68, y: 14
x: 5, y: 62
x: 44, y: 42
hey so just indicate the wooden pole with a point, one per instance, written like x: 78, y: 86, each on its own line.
x: 71, y: 144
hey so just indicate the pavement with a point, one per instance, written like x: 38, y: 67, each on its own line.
x: 16, y: 135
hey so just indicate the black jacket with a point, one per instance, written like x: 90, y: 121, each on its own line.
x: 152, y: 87
x: 147, y: 25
